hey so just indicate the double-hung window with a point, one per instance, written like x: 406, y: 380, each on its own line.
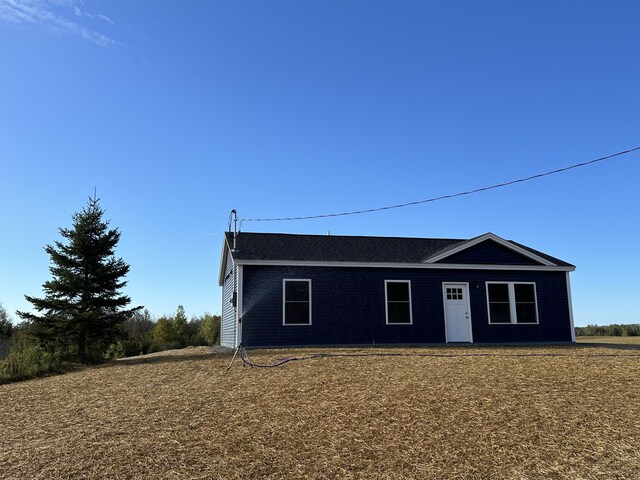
x: 296, y: 302
x: 512, y: 303
x: 398, y: 299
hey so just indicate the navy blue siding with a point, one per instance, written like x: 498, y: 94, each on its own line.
x: 488, y: 253
x: 348, y: 306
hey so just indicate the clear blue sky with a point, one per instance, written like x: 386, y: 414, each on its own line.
x: 180, y: 111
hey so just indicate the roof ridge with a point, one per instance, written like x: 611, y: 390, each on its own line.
x: 352, y: 236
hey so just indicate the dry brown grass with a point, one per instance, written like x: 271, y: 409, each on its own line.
x: 179, y: 415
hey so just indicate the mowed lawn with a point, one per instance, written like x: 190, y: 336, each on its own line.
x: 437, y: 413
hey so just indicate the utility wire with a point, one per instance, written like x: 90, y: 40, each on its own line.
x: 444, y: 197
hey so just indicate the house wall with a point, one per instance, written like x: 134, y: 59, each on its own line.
x: 348, y: 306
x: 228, y: 320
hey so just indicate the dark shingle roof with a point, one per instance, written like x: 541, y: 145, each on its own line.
x: 336, y: 248
x: 555, y: 260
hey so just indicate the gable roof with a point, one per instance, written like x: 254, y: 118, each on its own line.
x: 290, y: 248
x: 526, y: 252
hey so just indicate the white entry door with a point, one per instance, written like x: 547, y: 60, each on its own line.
x: 457, y: 315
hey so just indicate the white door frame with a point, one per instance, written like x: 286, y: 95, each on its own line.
x: 466, y: 291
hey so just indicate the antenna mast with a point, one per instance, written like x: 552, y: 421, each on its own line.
x: 233, y: 216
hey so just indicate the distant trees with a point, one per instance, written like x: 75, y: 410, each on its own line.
x: 163, y: 333
x: 177, y: 332
x: 179, y: 326
x: 137, y: 339
x: 82, y: 311
x: 21, y: 356
x: 614, y: 330
x: 6, y: 327
x: 210, y: 329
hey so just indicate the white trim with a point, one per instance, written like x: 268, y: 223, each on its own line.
x: 222, y: 302
x: 284, y: 300
x: 573, y: 329
x: 444, y: 306
x: 512, y: 302
x: 239, y: 308
x: 386, y: 303
x: 434, y: 266
x: 495, y: 238
x: 223, y: 262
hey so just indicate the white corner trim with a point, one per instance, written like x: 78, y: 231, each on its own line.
x: 573, y: 329
x: 495, y: 238
x: 223, y: 263
x: 239, y: 308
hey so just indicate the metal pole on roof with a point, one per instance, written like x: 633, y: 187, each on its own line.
x: 235, y: 227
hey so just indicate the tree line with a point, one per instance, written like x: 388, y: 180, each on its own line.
x: 139, y: 334
x: 143, y: 334
x: 614, y: 330
x: 21, y: 355
x: 83, y: 316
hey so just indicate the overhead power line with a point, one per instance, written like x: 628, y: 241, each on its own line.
x: 444, y: 197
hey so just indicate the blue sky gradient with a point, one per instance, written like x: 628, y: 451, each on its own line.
x: 178, y: 112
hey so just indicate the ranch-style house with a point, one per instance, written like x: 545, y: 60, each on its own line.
x: 301, y: 290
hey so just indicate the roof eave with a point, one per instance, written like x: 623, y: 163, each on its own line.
x: 421, y: 265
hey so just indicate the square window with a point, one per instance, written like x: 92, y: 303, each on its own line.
x: 512, y: 303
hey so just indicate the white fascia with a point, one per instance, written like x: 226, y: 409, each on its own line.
x: 425, y: 266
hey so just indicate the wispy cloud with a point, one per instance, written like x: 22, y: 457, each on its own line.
x: 66, y: 16
x: 81, y: 13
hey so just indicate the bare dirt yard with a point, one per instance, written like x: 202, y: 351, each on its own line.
x: 435, y: 413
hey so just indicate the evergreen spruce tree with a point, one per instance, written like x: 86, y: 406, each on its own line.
x: 83, y: 308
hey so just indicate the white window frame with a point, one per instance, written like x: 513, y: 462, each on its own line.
x: 386, y: 302
x: 512, y: 303
x: 284, y: 301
